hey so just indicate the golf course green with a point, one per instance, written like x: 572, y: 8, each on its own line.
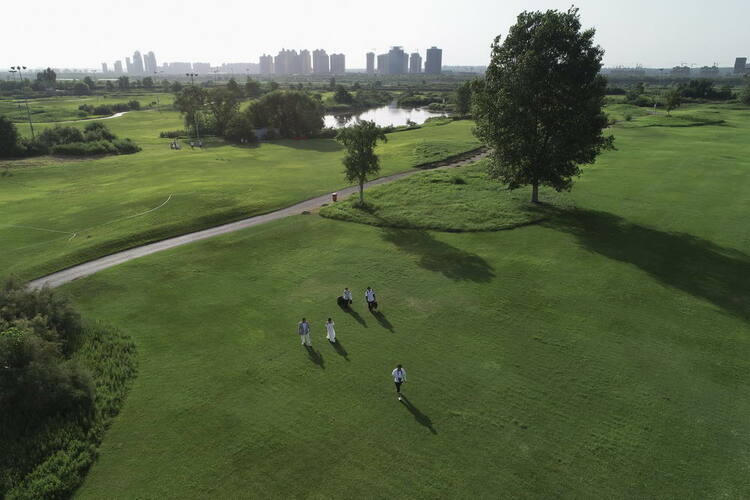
x: 601, y: 352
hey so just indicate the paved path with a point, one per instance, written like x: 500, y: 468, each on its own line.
x: 94, y: 266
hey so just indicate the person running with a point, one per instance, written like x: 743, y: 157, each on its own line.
x: 303, y: 329
x: 372, y: 303
x: 399, y: 377
x: 330, y: 331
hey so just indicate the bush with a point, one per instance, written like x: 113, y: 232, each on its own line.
x: 126, y: 146
x: 60, y: 135
x: 240, y: 129
x: 86, y: 108
x: 172, y: 134
x: 745, y: 96
x: 8, y: 138
x: 134, y: 105
x: 97, y: 131
x: 84, y: 148
x: 103, y: 109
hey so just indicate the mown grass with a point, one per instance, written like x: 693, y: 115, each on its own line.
x: 460, y: 199
x: 62, y: 214
x: 600, y: 354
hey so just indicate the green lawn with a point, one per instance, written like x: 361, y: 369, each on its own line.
x: 118, y: 202
x: 600, y: 354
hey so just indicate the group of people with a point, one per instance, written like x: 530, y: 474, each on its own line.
x: 345, y: 301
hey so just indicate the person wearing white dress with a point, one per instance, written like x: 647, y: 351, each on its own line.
x: 330, y: 331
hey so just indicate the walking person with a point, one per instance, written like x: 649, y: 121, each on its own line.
x: 347, y: 296
x: 330, y: 331
x: 303, y: 329
x: 399, y: 377
x: 372, y: 302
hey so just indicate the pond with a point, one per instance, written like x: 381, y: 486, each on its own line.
x: 384, y: 116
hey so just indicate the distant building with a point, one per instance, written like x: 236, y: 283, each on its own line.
x: 137, y: 63
x: 149, y: 63
x: 338, y: 64
x: 118, y: 66
x: 128, y: 65
x: 306, y: 62
x: 681, y: 71
x: 740, y: 66
x: 415, y: 63
x: 398, y: 61
x: 266, y: 64
x: 239, y: 68
x: 178, y: 68
x: 710, y: 70
x: 321, y: 62
x: 104, y: 68
x: 433, y: 65
x: 202, y: 68
x: 382, y: 64
x: 370, y: 63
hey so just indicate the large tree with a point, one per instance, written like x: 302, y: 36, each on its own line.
x: 361, y: 161
x: 540, y: 108
x: 8, y: 138
x: 224, y: 105
x: 292, y: 113
x: 189, y: 102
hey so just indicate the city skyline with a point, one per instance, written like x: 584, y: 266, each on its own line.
x: 655, y: 35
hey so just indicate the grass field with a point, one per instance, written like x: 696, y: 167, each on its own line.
x: 600, y: 354
x: 60, y: 213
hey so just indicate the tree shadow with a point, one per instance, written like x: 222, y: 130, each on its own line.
x: 315, y: 356
x: 340, y: 350
x: 437, y: 256
x: 418, y: 415
x: 683, y: 261
x: 319, y: 145
x: 354, y: 314
x: 383, y: 321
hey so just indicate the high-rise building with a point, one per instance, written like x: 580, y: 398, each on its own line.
x: 397, y: 61
x: 415, y: 63
x: 306, y: 62
x: 128, y: 65
x: 149, y: 63
x: 740, y: 66
x: 118, y: 66
x: 382, y: 64
x: 178, y: 68
x: 321, y: 62
x: 370, y: 63
x: 433, y: 65
x: 266, y: 64
x: 137, y: 63
x: 202, y: 68
x: 338, y: 64
x: 104, y: 68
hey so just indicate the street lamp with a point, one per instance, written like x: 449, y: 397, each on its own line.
x: 25, y: 97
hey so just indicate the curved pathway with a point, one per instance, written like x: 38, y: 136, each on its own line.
x: 94, y: 266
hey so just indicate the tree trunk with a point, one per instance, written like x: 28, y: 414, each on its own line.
x: 535, y: 192
x: 361, y: 193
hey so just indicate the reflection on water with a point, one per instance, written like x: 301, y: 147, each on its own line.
x: 387, y: 115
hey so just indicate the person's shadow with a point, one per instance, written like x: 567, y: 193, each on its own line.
x: 418, y: 415
x: 354, y: 314
x: 383, y: 321
x: 340, y: 350
x: 315, y: 357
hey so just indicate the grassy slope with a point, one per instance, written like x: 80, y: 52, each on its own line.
x: 208, y: 186
x: 602, y: 354
x: 54, y: 109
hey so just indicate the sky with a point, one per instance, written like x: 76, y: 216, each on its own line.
x: 85, y: 33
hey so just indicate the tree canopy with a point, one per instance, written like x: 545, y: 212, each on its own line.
x: 360, y: 161
x: 294, y: 114
x: 540, y: 108
x: 224, y: 104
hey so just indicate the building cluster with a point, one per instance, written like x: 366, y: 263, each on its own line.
x: 741, y: 67
x: 145, y: 65
x: 291, y: 62
x: 398, y: 62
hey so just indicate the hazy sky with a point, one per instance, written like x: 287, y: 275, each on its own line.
x: 84, y: 33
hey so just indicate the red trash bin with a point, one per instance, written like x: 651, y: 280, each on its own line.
x: 335, y: 196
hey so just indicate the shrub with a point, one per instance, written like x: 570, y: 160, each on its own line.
x: 172, y: 134
x: 126, y: 146
x: 103, y: 109
x: 60, y: 135
x: 87, y: 108
x: 97, y: 131
x: 134, y: 105
x: 8, y: 138
x: 240, y: 129
x: 83, y: 148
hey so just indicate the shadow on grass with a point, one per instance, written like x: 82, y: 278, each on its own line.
x: 319, y: 145
x: 383, y: 321
x: 354, y: 314
x: 315, y: 357
x: 691, y: 264
x: 418, y: 415
x: 340, y: 350
x: 437, y: 256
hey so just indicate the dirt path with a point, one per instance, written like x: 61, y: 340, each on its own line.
x: 94, y: 266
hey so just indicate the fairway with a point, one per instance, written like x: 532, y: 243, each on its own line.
x: 602, y: 353
x: 61, y: 213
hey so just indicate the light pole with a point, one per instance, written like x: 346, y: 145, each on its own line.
x: 195, y: 115
x: 25, y: 98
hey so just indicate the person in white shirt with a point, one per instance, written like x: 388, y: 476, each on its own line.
x: 372, y: 302
x: 399, y: 377
x: 347, y: 296
x: 330, y: 332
